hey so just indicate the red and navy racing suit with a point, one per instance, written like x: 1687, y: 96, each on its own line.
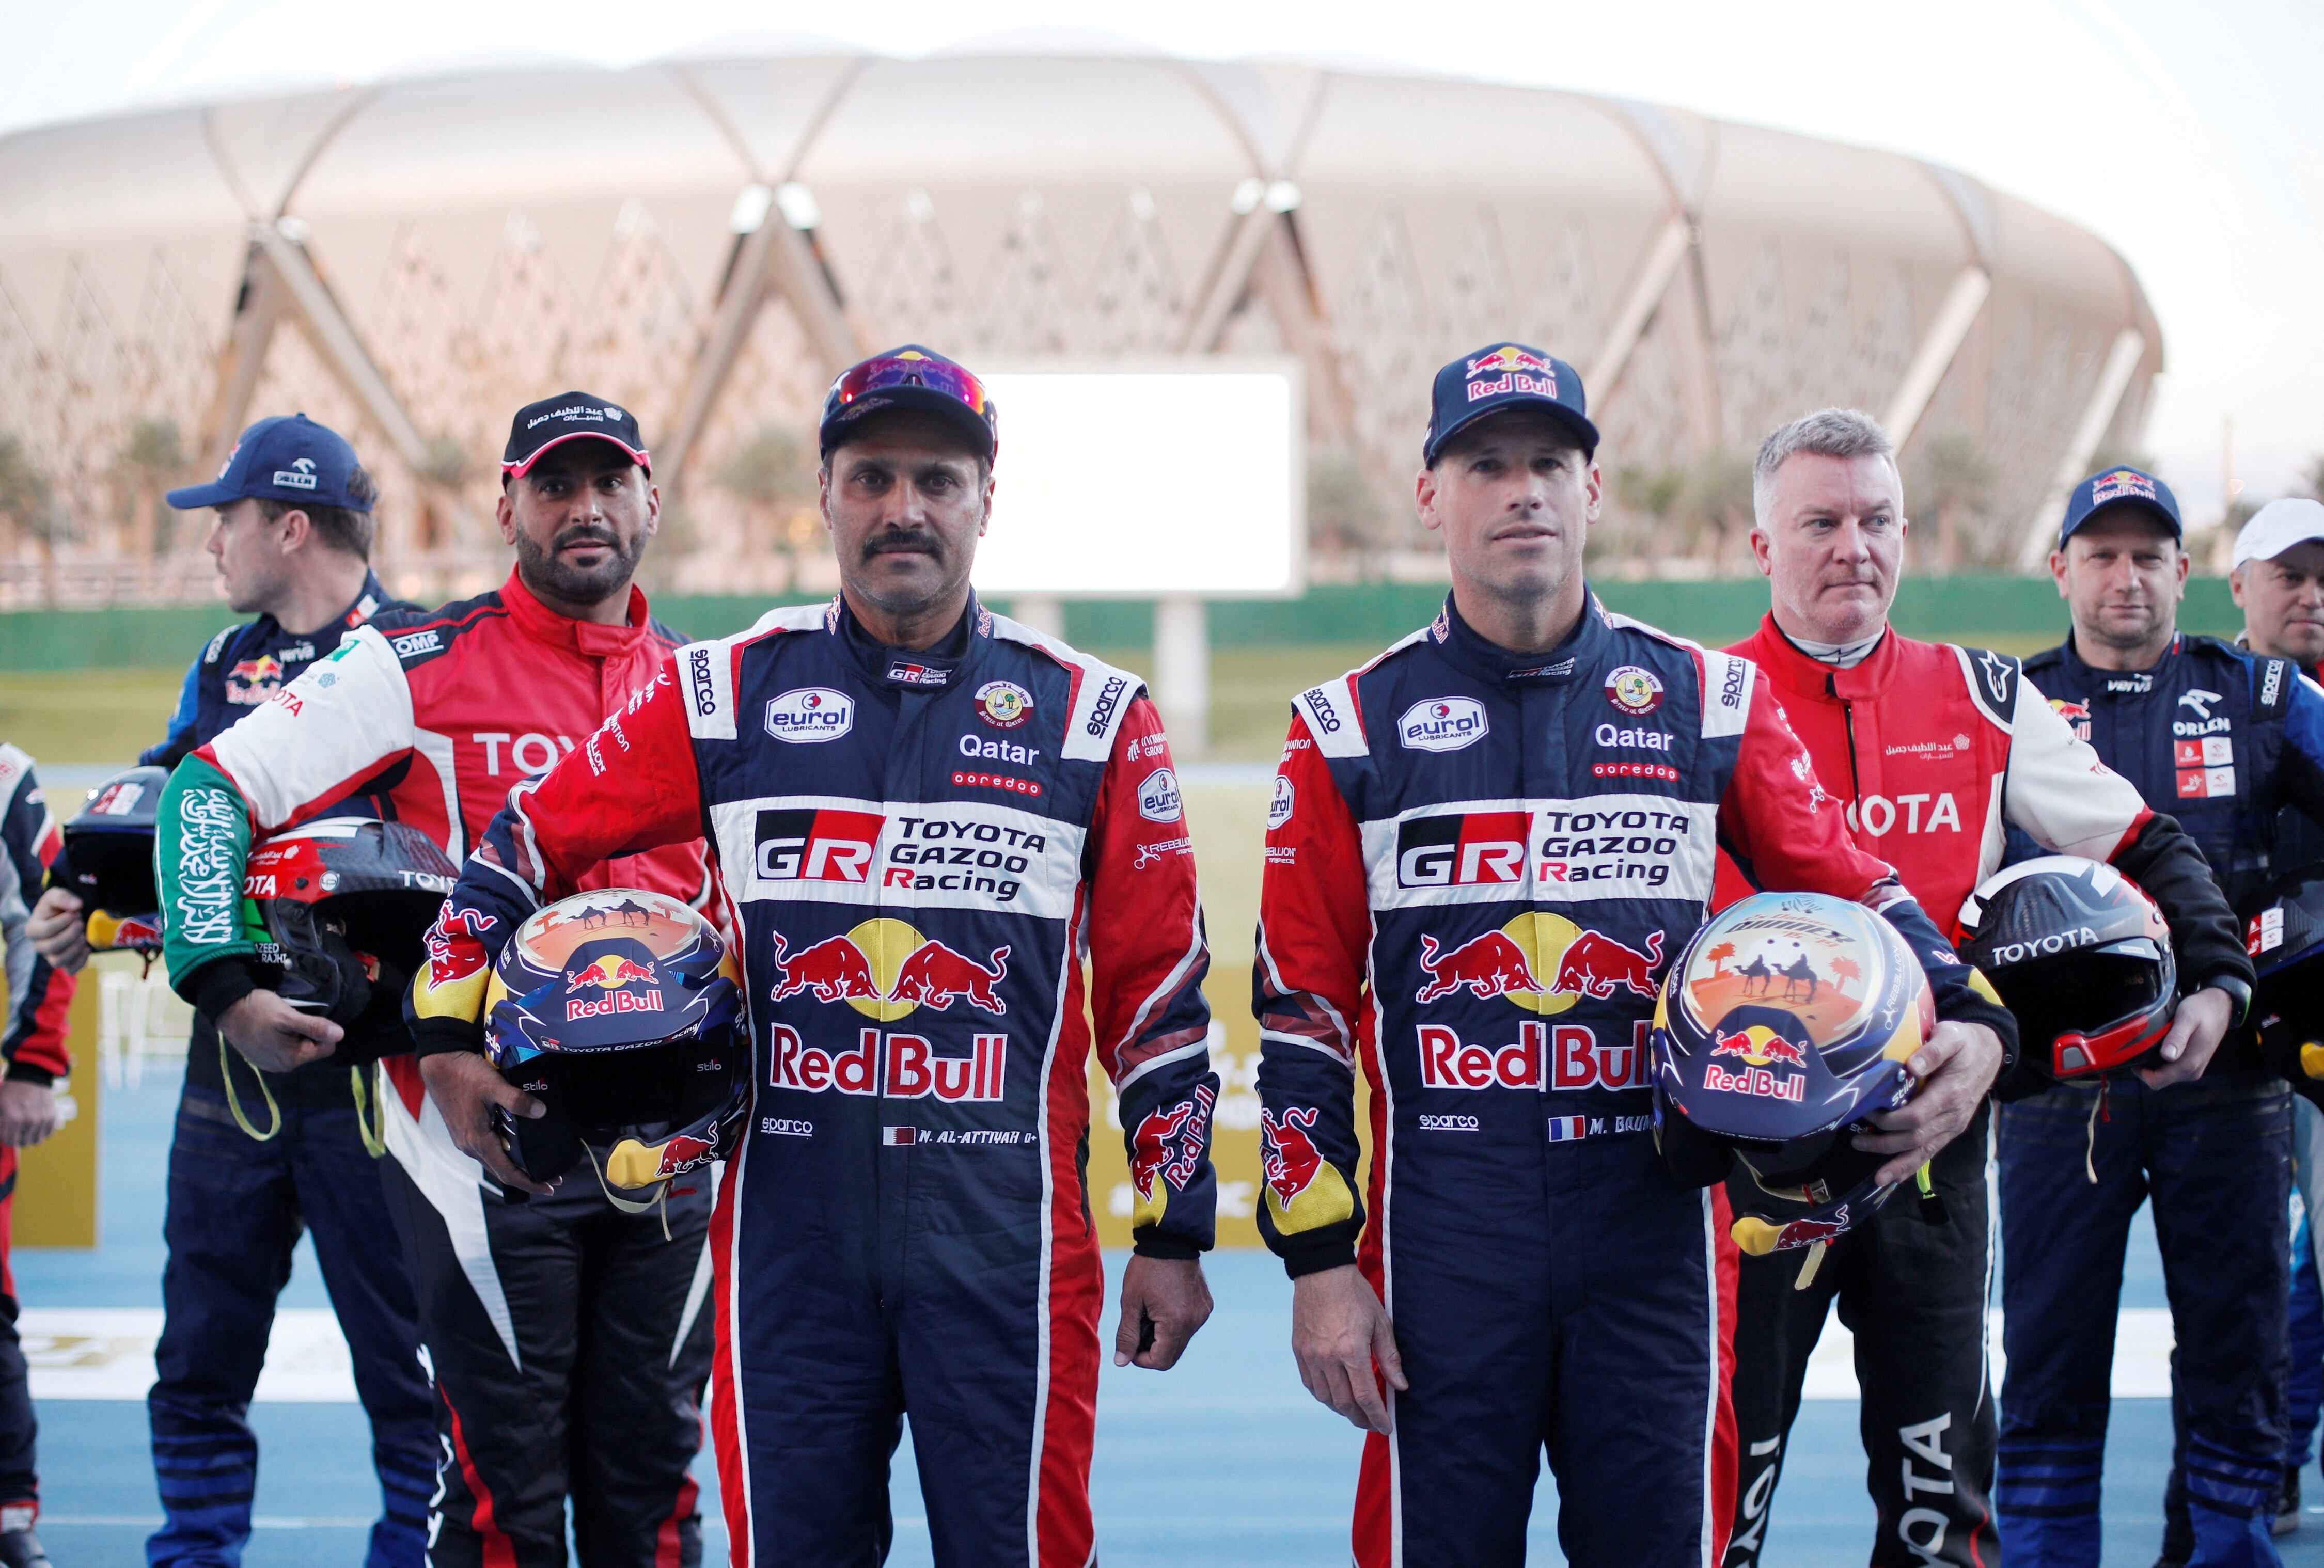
x: 33, y: 1048
x: 1937, y: 752
x: 238, y: 1203
x: 2223, y: 739
x: 1478, y: 867
x: 922, y: 850
x: 565, y: 1339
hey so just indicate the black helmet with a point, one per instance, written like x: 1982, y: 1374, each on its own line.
x: 347, y: 901
x: 2081, y: 957
x: 1785, y: 1022
x: 108, y: 860
x: 2286, y: 941
x: 622, y: 1011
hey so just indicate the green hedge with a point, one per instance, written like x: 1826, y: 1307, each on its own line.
x: 1962, y: 608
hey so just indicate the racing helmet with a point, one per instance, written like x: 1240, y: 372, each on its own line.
x: 108, y: 861
x: 622, y: 1011
x: 346, y: 901
x: 1785, y: 1022
x: 2081, y: 957
x: 2286, y: 942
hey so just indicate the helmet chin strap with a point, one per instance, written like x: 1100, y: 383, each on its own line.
x: 661, y: 1199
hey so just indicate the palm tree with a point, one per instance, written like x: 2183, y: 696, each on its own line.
x: 1847, y: 970
x: 152, y: 455
x: 771, y: 476
x: 1718, y: 956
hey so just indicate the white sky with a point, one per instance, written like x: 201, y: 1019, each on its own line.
x: 2190, y: 137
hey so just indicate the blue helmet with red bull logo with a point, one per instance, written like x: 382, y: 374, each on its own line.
x: 622, y: 1011
x: 108, y: 861
x: 1783, y: 1024
x: 2082, y: 959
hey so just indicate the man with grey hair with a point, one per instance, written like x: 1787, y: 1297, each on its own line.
x: 1934, y: 748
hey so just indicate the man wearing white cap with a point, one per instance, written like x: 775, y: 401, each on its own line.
x: 2278, y: 581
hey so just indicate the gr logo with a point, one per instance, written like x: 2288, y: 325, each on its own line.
x: 817, y: 845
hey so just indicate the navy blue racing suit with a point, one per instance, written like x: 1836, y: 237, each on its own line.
x: 2223, y: 740
x: 237, y: 1205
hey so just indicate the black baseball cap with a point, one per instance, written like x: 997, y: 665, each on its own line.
x: 1506, y: 375
x: 570, y: 417
x: 915, y: 377
x: 2134, y: 487
x: 287, y: 458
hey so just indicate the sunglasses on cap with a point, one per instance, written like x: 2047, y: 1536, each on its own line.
x: 910, y: 378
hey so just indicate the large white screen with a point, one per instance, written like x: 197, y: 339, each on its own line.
x: 1147, y: 481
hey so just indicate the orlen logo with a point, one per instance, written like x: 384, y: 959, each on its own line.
x: 1468, y: 849
x: 1554, y: 1057
x: 884, y: 969
x: 1443, y: 724
x: 900, y: 1066
x: 812, y: 845
x: 810, y: 714
x: 1512, y: 961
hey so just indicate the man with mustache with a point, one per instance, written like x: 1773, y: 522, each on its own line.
x: 565, y: 1339
x: 957, y: 856
x: 1932, y: 747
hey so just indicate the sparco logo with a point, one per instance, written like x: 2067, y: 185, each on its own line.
x: 811, y: 713
x: 1731, y: 690
x: 1320, y: 706
x: 2008, y: 953
x: 706, y: 692
x: 1108, y: 700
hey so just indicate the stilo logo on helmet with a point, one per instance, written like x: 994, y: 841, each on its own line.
x: 347, y: 901
x: 620, y: 1011
x: 108, y: 861
x: 2082, y: 958
x: 1786, y: 1020
x: 2286, y: 941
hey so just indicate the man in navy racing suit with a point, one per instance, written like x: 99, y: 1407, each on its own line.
x: 1484, y: 849
x: 2222, y: 740
x: 292, y: 542
x: 942, y: 836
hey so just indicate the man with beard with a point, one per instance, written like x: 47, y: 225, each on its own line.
x: 564, y: 1337
x: 959, y: 861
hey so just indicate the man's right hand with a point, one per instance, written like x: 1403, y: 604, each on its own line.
x: 59, y: 930
x: 1340, y: 1333
x: 273, y: 1034
x: 466, y: 1088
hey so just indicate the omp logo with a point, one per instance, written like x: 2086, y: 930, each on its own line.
x: 817, y: 845
x: 411, y: 645
x: 1319, y: 707
x: 1468, y: 849
x: 1109, y: 698
x: 811, y: 714
x: 699, y: 682
x: 1443, y: 724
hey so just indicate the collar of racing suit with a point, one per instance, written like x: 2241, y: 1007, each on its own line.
x: 1801, y: 674
x: 928, y: 668
x: 2096, y: 678
x: 586, y: 637
x: 1467, y: 647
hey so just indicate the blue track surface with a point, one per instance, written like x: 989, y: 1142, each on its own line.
x: 1225, y: 1460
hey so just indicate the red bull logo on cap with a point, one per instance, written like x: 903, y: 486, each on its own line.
x: 2121, y: 483
x: 1510, y: 368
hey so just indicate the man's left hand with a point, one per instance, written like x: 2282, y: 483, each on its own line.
x: 1171, y: 1295
x: 1956, y: 1067
x: 28, y: 1112
x: 2201, y: 1022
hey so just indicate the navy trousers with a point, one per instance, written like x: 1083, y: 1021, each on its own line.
x: 2215, y: 1156
x: 237, y: 1207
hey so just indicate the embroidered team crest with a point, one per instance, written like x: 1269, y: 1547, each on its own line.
x: 1634, y: 691
x: 1003, y: 704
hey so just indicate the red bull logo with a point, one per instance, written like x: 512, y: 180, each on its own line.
x: 1492, y: 964
x: 1509, y: 963
x: 1509, y: 357
x: 1555, y: 1057
x: 1807, y: 1233
x: 683, y: 1153
x: 2077, y: 716
x: 252, y: 681
x: 889, y: 969
x: 1596, y: 964
x: 1167, y: 1147
x: 1287, y: 1157
x: 1759, y: 1045
x: 1762, y: 1049
x: 614, y: 975
x: 900, y: 1066
x: 2121, y: 483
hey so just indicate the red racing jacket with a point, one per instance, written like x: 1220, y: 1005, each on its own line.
x: 435, y: 715
x: 1479, y: 866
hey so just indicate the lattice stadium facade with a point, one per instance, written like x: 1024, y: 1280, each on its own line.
x: 707, y: 241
